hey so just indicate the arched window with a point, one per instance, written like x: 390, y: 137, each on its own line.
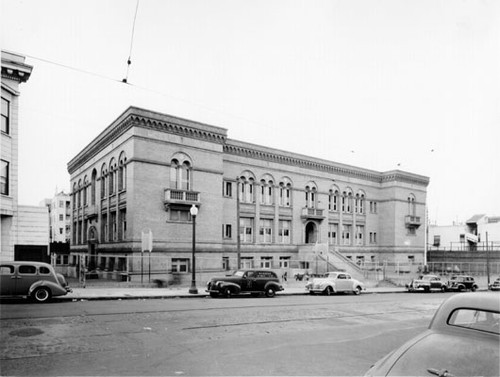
x: 266, y: 190
x: 180, y: 173
x: 80, y: 193
x: 85, y: 185
x: 412, y: 205
x: 247, y: 183
x: 92, y: 187
x: 347, y: 201
x: 359, y: 202
x: 122, y: 172
x: 311, y: 195
x: 104, y: 174
x: 74, y: 196
x: 333, y: 199
x: 285, y: 192
x: 112, y: 177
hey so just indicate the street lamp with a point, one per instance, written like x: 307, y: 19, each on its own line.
x: 193, y: 289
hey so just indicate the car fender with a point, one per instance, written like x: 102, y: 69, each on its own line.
x: 272, y: 284
x: 235, y: 288
x: 55, y: 289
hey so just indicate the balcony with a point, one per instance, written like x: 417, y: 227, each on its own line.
x: 90, y: 211
x: 412, y: 221
x: 312, y: 213
x: 181, y: 198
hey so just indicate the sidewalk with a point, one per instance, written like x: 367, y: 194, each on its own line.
x: 121, y: 292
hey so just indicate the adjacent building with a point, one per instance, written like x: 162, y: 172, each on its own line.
x: 14, y: 72
x: 259, y: 206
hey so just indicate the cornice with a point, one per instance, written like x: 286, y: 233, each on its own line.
x: 136, y: 117
x: 14, y: 68
x: 250, y: 151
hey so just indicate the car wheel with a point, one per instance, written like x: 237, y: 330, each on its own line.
x: 473, y: 288
x: 328, y: 291
x: 427, y: 289
x: 461, y: 288
x: 357, y: 290
x: 41, y: 294
x: 227, y: 292
x: 214, y: 294
x: 270, y: 292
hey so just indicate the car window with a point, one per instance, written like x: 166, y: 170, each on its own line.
x: 6, y: 270
x: 28, y: 270
x: 341, y: 276
x: 476, y: 319
x: 239, y: 273
x: 44, y: 270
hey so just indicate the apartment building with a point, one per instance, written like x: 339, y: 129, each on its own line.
x: 14, y: 72
x: 258, y: 205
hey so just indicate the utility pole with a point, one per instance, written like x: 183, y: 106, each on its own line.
x: 487, y: 260
x: 238, y: 240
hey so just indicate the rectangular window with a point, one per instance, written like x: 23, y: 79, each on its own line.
x: 360, y: 230
x: 246, y: 262
x: 104, y: 230
x: 5, y: 116
x: 61, y: 217
x: 228, y: 189
x: 266, y: 262
x: 437, y: 241
x: 114, y: 235
x: 4, y: 178
x: 266, y: 231
x: 179, y: 215
x: 373, y: 207
x: 333, y: 231
x: 180, y: 265
x: 61, y: 230
x: 123, y: 222
x: 226, y: 231
x: 225, y: 263
x: 346, y: 234
x: 284, y: 231
x: 246, y: 229
x: 284, y: 262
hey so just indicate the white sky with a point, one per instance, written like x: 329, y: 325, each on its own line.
x: 363, y: 82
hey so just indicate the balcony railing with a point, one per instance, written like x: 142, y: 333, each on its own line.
x: 312, y: 213
x: 90, y: 211
x: 412, y: 221
x: 181, y: 197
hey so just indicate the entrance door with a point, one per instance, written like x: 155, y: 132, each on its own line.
x: 311, y: 232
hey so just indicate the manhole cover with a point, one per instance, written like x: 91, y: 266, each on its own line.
x: 29, y: 331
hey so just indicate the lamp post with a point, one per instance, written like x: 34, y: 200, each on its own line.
x: 193, y: 289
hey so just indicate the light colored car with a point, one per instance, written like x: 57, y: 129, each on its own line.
x: 36, y: 280
x: 427, y: 283
x: 462, y: 340
x: 335, y: 282
x: 495, y: 286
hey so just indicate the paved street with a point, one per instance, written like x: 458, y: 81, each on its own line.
x: 286, y: 335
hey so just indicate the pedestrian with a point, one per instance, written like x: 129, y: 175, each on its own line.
x: 285, y: 276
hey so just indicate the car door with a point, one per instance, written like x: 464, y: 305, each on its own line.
x: 26, y: 276
x: 7, y: 279
x: 342, y: 283
x: 435, y: 283
x: 249, y: 281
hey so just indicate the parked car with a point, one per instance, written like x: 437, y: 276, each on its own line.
x: 495, y: 286
x: 461, y: 283
x: 335, y: 282
x: 426, y: 283
x: 462, y: 340
x: 35, y: 280
x: 254, y: 282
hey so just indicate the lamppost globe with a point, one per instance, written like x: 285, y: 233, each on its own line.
x: 194, y: 211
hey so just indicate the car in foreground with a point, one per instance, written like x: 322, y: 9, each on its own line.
x: 462, y: 283
x: 462, y: 340
x: 426, y: 283
x: 495, y: 286
x: 254, y: 282
x: 35, y: 280
x: 335, y: 282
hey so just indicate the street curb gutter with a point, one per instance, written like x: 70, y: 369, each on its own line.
x: 181, y: 296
